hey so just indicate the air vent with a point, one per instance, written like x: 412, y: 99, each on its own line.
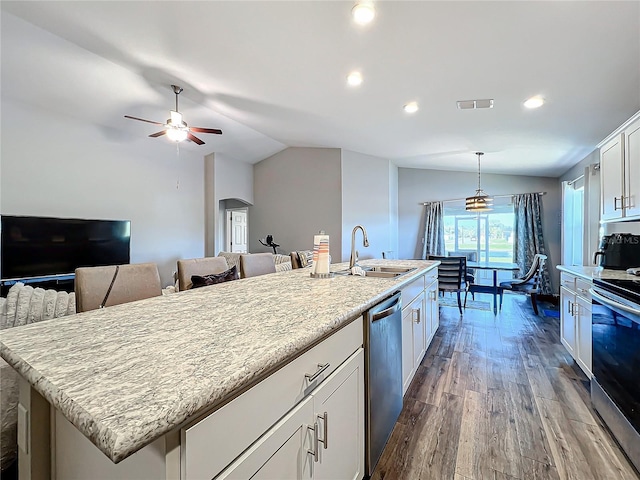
x: 473, y: 104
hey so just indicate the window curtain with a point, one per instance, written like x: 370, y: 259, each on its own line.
x: 434, y: 229
x: 528, y: 233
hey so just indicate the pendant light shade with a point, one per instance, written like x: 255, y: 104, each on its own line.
x: 480, y: 202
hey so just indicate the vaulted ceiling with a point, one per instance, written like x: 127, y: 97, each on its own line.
x: 272, y: 74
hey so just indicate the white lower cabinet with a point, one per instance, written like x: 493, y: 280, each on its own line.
x: 575, y: 320
x: 283, y: 452
x: 585, y: 343
x: 321, y: 438
x: 420, y: 321
x: 568, y: 320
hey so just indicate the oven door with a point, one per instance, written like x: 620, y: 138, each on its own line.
x: 616, y: 351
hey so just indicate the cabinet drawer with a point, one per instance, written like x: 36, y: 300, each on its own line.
x: 430, y: 276
x: 411, y: 291
x: 568, y: 281
x: 210, y: 445
x: 582, y: 288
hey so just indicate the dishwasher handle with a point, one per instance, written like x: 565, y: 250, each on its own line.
x: 386, y: 312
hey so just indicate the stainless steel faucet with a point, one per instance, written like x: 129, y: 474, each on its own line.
x: 353, y: 261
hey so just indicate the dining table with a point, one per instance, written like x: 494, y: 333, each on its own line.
x: 494, y: 288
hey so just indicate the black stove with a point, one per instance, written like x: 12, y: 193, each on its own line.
x: 629, y: 289
x: 615, y: 386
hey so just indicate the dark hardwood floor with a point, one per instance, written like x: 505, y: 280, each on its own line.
x: 499, y: 397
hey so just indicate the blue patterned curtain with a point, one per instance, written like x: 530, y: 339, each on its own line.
x: 528, y: 233
x: 434, y: 230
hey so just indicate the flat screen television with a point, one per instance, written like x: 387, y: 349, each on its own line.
x: 43, y: 246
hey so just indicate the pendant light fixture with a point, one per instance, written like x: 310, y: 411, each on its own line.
x: 480, y: 202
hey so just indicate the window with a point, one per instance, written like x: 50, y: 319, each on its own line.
x: 489, y: 234
x: 573, y: 222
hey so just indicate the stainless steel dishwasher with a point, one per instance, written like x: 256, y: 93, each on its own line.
x: 383, y: 376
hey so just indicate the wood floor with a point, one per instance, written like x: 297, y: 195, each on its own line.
x: 500, y: 398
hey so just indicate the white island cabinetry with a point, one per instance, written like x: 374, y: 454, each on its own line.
x: 420, y: 320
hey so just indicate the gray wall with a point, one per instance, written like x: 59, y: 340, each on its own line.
x: 297, y: 193
x: 368, y: 199
x: 53, y: 165
x: 416, y: 186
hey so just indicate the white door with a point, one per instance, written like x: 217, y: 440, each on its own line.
x: 339, y: 409
x: 282, y: 453
x: 632, y: 169
x: 611, y: 178
x: 237, y: 231
x: 568, y: 320
x: 584, y: 336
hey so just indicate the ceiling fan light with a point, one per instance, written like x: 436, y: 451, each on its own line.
x: 363, y: 13
x: 177, y: 134
x: 534, y: 102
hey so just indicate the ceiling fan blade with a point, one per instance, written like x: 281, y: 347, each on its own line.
x: 194, y: 139
x: 206, y: 130
x: 158, y: 134
x: 143, y: 120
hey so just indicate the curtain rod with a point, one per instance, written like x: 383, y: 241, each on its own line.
x: 571, y: 182
x: 494, y: 196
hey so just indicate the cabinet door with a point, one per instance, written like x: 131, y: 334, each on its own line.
x: 611, y: 178
x: 339, y: 408
x: 583, y: 319
x: 433, y: 312
x: 282, y: 452
x: 418, y: 314
x: 567, y: 320
x: 632, y: 169
x: 407, y: 348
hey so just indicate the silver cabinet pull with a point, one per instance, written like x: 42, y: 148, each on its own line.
x: 416, y: 314
x: 315, y: 451
x: 570, y: 308
x: 615, y: 204
x: 312, y: 376
x: 325, y: 430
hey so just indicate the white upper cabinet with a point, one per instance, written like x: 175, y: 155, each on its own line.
x: 632, y: 169
x: 611, y: 164
x: 620, y: 172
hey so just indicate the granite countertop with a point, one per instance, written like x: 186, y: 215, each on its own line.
x: 590, y: 273
x: 126, y: 375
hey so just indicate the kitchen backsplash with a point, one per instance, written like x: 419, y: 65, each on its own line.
x: 622, y: 227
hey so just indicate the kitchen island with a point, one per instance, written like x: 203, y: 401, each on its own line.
x: 134, y: 374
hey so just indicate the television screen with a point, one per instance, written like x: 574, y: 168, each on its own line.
x: 41, y: 246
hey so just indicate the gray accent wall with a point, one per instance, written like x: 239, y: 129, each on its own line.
x: 416, y: 186
x: 369, y: 198
x: 297, y: 192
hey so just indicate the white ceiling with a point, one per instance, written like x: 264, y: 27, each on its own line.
x: 272, y: 74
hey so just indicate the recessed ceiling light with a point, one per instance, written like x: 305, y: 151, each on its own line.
x: 363, y: 13
x: 534, y: 102
x: 411, y: 107
x: 354, y: 79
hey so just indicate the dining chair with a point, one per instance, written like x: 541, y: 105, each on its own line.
x: 97, y: 287
x: 198, y: 266
x: 254, y: 264
x: 529, y: 284
x: 451, y: 276
x: 470, y: 276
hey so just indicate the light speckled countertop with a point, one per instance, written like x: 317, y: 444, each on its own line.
x: 126, y: 375
x: 589, y: 273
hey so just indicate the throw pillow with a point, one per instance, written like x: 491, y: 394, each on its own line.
x: 214, y: 278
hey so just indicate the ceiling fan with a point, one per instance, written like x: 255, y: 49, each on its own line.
x: 175, y: 128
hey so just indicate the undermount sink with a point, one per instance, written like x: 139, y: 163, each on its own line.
x: 380, y: 271
x: 385, y: 272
